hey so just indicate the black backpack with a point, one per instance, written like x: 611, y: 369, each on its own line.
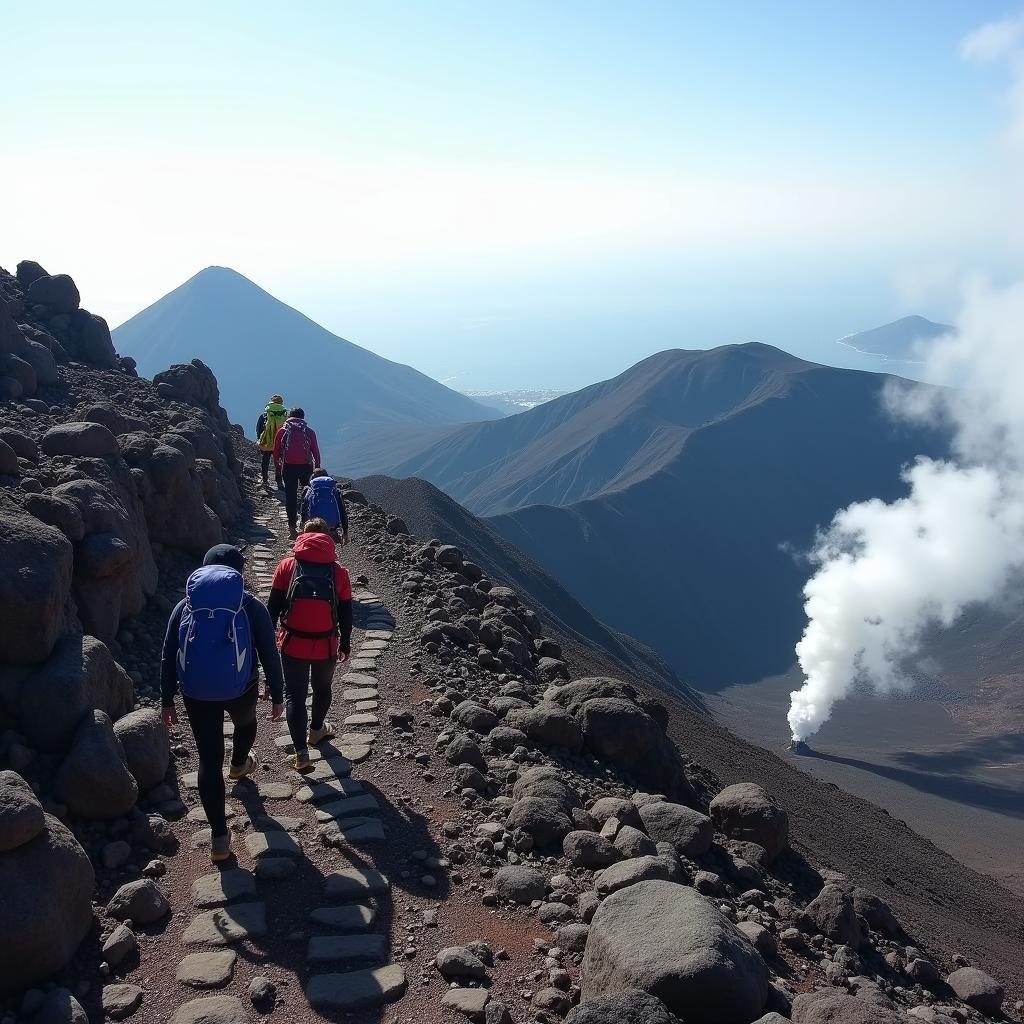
x: 311, y: 598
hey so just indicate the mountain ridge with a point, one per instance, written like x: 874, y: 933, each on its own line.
x: 249, y: 338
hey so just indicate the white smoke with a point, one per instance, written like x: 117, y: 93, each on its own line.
x: 888, y: 572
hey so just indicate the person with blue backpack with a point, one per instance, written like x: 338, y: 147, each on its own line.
x: 321, y: 499
x: 214, y: 637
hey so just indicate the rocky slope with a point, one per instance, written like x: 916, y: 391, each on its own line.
x: 495, y: 833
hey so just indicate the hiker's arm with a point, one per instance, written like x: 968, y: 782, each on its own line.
x: 304, y: 505
x: 260, y: 424
x: 266, y: 649
x: 341, y: 510
x: 345, y: 626
x: 168, y: 674
x: 314, y: 449
x: 344, y: 592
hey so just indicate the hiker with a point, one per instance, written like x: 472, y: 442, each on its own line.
x: 296, y: 455
x: 270, y: 422
x: 321, y: 499
x: 213, y: 639
x: 311, y: 596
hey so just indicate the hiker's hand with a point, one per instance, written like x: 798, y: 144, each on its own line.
x: 276, y: 712
x: 170, y: 717
x: 344, y: 539
x: 266, y: 692
x: 343, y: 656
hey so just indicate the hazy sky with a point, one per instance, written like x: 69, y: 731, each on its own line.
x: 516, y: 194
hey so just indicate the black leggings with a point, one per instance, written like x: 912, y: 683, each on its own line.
x: 293, y: 476
x: 265, y: 458
x: 298, y: 674
x: 207, y: 720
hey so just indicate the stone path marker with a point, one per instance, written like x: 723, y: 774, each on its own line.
x: 329, y: 789
x: 356, y: 989
x: 349, y: 917
x: 347, y: 807
x: 345, y: 948
x: 223, y: 887
x: 272, y: 844
x: 207, y: 970
x: 211, y: 1010
x: 227, y: 925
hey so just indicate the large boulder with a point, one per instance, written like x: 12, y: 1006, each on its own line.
x: 21, y: 370
x: 79, y: 676
x: 35, y: 584
x: 633, y: 1006
x: 146, y: 746
x: 668, y: 940
x: 637, y: 869
x: 46, y: 890
x: 619, y: 728
x: 21, y: 814
x: 689, y: 831
x: 832, y: 913
x: 877, y: 913
x: 977, y: 989
x: 745, y: 811
x: 94, y: 344
x: 517, y: 883
x: 93, y: 780
x: 830, y: 1006
x: 58, y: 293
x: 28, y: 271
x: 548, y: 725
x: 589, y: 850
x: 91, y: 440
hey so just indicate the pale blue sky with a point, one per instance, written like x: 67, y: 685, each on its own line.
x: 516, y: 194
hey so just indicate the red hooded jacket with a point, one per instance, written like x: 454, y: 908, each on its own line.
x: 315, y: 617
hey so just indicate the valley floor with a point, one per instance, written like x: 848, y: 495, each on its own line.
x: 962, y: 790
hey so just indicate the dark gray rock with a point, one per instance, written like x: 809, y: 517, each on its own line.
x: 146, y: 746
x: 141, y: 901
x: 745, y: 811
x: 830, y: 1006
x: 877, y: 913
x: 518, y: 883
x: 35, y: 586
x: 471, y: 715
x: 59, y: 1006
x: 459, y: 962
x: 463, y: 750
x: 832, y: 914
x: 689, y: 831
x: 631, y: 842
x: 21, y: 814
x: 633, y: 1006
x: 93, y: 780
x: 549, y: 725
x: 629, y: 872
x: 589, y: 850
x: 977, y: 989
x: 671, y: 942
x: 616, y: 807
x: 90, y: 440
x: 58, y: 293
x: 47, y: 885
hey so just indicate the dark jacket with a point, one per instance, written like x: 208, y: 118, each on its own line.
x: 262, y: 629
x: 304, y: 507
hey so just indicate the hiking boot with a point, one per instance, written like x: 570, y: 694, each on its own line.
x: 237, y: 772
x: 220, y: 848
x: 300, y: 761
x: 325, y: 732
x: 292, y: 533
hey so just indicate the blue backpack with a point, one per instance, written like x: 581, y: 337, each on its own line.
x: 215, y: 649
x: 323, y: 500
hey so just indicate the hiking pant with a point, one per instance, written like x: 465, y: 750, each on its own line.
x: 298, y: 674
x: 294, y: 475
x: 207, y: 720
x: 265, y: 458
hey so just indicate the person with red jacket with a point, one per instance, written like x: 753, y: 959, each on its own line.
x: 296, y: 455
x: 311, y: 597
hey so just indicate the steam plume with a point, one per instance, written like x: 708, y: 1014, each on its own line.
x: 887, y: 572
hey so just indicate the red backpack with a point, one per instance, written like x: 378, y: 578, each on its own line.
x: 311, y: 610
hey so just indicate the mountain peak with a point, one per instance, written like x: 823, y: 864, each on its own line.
x: 898, y: 340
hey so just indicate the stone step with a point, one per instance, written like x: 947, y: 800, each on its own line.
x: 278, y: 822
x: 361, y: 693
x: 363, y: 664
x: 373, y: 645
x: 356, y: 989
x: 331, y: 789
x: 359, y: 679
x: 352, y: 832
x: 272, y: 844
x: 350, y: 917
x: 275, y: 791
x: 331, y: 768
x: 378, y: 634
x: 223, y: 887
x: 348, y: 807
x: 362, y: 720
x: 325, y: 949
x: 354, y: 883
x: 227, y: 925
x: 211, y: 1010
x: 207, y: 970
x: 197, y: 814
x: 367, y: 705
